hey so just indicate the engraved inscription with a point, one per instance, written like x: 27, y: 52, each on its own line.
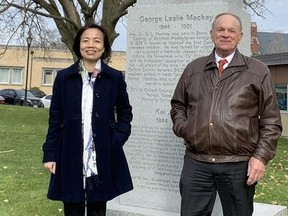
x: 158, y: 49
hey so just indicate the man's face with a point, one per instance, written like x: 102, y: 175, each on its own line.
x: 226, y: 34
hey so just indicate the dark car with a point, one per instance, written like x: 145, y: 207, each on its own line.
x: 37, y: 93
x: 17, y: 97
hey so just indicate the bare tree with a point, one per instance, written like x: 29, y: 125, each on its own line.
x: 257, y: 6
x: 18, y: 17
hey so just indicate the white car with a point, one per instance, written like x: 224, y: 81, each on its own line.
x: 46, y: 100
x: 2, y: 100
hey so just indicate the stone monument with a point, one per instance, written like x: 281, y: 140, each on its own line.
x: 162, y: 38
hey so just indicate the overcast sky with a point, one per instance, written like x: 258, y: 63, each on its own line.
x: 276, y: 21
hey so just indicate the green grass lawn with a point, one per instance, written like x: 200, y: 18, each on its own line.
x: 24, y: 182
x: 273, y: 188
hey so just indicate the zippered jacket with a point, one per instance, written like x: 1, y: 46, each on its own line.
x: 227, y: 119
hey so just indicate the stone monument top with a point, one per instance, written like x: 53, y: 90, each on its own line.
x: 169, y: 2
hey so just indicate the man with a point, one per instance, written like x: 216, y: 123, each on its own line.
x: 230, y: 122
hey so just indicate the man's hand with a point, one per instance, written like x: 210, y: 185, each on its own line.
x: 51, y: 166
x: 256, y: 170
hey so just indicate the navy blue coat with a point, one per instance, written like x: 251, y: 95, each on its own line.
x: 111, y: 117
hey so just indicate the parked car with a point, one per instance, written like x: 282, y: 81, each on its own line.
x: 46, y: 100
x: 37, y: 93
x: 17, y: 97
x: 2, y: 100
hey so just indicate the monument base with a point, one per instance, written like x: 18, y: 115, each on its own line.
x: 260, y: 209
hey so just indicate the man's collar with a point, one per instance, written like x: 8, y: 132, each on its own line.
x: 228, y: 58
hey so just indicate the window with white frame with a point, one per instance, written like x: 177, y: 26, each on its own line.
x: 281, y: 92
x: 16, y: 76
x: 11, y: 75
x: 49, y: 76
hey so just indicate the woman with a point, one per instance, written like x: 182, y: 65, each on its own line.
x: 89, y: 122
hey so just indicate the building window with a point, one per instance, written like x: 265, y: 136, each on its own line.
x: 10, y: 75
x: 49, y: 76
x: 281, y: 92
x: 4, y: 75
x: 16, y: 76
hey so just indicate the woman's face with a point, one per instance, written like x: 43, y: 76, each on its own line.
x: 92, y: 45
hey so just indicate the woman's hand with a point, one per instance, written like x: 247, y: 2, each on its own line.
x: 50, y: 166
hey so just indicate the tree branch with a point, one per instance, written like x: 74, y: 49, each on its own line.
x: 257, y: 6
x: 53, y: 16
x: 4, y: 9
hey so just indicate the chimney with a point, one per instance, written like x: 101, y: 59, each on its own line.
x: 254, y: 39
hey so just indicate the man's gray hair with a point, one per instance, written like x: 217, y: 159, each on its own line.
x: 227, y: 13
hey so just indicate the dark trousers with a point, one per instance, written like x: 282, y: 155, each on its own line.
x: 200, y: 181
x: 78, y: 209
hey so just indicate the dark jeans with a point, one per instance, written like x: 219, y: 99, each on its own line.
x: 200, y: 181
x: 78, y: 209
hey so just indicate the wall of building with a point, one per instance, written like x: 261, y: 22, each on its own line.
x: 279, y: 73
x: 278, y: 65
x: 280, y: 76
x: 39, y: 60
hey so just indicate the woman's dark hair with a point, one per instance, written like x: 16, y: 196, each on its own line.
x: 107, y: 46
